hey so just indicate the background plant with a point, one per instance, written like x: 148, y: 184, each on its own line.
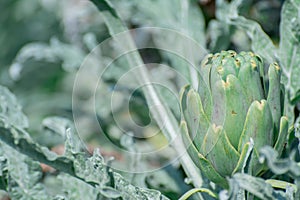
x: 40, y: 65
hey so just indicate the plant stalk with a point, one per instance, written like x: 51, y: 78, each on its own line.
x: 161, y: 113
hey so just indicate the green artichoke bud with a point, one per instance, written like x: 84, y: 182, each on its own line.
x: 234, y: 103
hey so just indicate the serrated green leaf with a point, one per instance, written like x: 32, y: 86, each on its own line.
x: 10, y: 110
x: 92, y: 170
x: 76, y: 163
x: 22, y: 175
x: 73, y: 188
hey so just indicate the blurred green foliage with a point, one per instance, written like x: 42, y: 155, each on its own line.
x: 44, y: 43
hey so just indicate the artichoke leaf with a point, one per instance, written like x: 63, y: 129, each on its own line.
x: 255, y: 167
x: 188, y: 143
x: 206, y: 65
x: 258, y: 125
x: 217, y: 149
x: 182, y: 96
x: 209, y: 170
x: 197, y: 123
x: 283, y: 132
x: 200, y: 161
x: 218, y: 97
x: 245, y: 154
x: 250, y: 79
x: 205, y: 94
x: 274, y: 93
x: 236, y: 109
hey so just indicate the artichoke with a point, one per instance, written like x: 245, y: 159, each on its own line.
x: 235, y: 103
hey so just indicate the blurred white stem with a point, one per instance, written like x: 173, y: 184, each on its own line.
x: 161, y: 113
x: 186, y: 46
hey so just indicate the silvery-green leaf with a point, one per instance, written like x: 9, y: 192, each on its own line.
x: 92, y: 170
x: 256, y: 186
x: 181, y: 18
x: 219, y: 34
x: 54, y: 52
x: 110, y: 192
x: 183, y: 29
x: 58, y: 125
x: 77, y: 163
x: 260, y: 41
x: 289, y: 46
x: 279, y: 166
x: 72, y: 188
x: 22, y: 176
x: 11, y: 110
x: 274, y: 93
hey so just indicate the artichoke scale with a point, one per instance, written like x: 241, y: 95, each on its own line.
x: 198, y: 122
x: 236, y: 109
x: 258, y: 125
x: 282, y: 136
x: 205, y: 96
x: 218, y: 99
x: 274, y: 93
x: 200, y: 161
x: 217, y: 148
x: 245, y: 154
x: 250, y: 79
x: 228, y: 67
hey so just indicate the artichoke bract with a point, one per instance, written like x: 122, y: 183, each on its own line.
x: 236, y: 102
